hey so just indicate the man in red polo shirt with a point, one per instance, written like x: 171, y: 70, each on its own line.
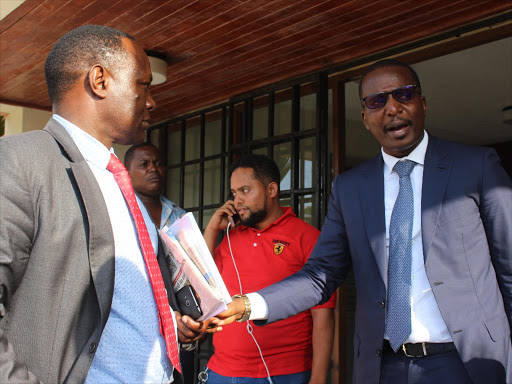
x: 268, y: 244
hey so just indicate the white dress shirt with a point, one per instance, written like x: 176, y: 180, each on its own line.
x: 427, y: 324
x: 131, y: 348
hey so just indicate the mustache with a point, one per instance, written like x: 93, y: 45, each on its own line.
x: 397, y: 121
x: 154, y: 175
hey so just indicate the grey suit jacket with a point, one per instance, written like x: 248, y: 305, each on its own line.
x: 467, y: 241
x: 56, y: 259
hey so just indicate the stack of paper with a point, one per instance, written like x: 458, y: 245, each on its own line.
x: 194, y: 265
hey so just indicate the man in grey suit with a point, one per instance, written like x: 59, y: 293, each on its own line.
x: 76, y: 302
x: 426, y: 227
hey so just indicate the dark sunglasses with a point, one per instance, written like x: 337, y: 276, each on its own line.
x: 401, y: 94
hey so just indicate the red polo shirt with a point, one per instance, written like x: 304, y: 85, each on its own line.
x: 263, y: 258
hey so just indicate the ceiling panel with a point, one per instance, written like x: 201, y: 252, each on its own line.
x: 217, y: 49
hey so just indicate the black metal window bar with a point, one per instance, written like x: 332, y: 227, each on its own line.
x: 189, y: 163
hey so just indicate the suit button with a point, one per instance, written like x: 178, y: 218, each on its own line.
x: 378, y: 353
x: 382, y: 304
x: 92, y: 347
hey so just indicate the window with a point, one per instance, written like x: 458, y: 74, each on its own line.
x: 195, y: 152
x: 288, y: 124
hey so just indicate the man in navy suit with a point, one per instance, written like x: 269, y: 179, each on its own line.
x: 456, y: 204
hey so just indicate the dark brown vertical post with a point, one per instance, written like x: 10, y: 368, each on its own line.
x: 338, y: 164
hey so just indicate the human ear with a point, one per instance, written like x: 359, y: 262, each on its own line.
x: 98, y: 80
x: 273, y: 189
x: 363, y: 117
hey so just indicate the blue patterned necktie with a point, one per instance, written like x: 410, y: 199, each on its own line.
x: 398, y: 321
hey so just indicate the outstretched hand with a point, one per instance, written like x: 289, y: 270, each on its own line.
x: 235, y: 311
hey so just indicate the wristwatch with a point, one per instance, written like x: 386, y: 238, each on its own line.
x: 247, y: 312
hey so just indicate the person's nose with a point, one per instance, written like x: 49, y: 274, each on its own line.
x: 392, y: 106
x: 150, y: 102
x: 152, y: 166
x: 238, y: 199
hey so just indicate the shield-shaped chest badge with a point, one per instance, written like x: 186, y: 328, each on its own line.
x: 278, y: 248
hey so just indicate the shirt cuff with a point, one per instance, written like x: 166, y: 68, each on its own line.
x: 259, y: 307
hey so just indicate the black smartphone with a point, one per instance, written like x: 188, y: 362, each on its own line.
x: 236, y: 216
x: 187, y: 302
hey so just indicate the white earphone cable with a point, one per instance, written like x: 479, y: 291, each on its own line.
x: 249, y: 326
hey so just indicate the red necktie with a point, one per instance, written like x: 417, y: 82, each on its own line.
x: 155, y: 276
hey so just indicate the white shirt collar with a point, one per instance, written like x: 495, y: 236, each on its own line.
x: 417, y: 155
x: 91, y: 149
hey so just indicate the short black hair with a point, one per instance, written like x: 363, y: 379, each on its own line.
x: 389, y: 63
x: 76, y: 52
x: 264, y: 169
x: 128, y: 156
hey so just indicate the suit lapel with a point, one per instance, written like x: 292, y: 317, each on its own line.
x: 65, y: 141
x: 436, y: 174
x: 371, y: 192
x: 101, y: 238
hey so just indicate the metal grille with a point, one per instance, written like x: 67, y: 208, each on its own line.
x: 274, y: 122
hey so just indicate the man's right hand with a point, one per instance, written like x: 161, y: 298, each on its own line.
x: 235, y: 311
x: 219, y: 222
x: 222, y: 216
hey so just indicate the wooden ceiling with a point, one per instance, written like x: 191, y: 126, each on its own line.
x: 217, y: 49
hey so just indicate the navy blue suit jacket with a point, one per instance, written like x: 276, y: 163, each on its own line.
x: 466, y: 223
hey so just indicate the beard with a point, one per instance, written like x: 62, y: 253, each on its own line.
x: 254, y: 218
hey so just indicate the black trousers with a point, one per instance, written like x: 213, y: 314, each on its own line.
x: 435, y: 369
